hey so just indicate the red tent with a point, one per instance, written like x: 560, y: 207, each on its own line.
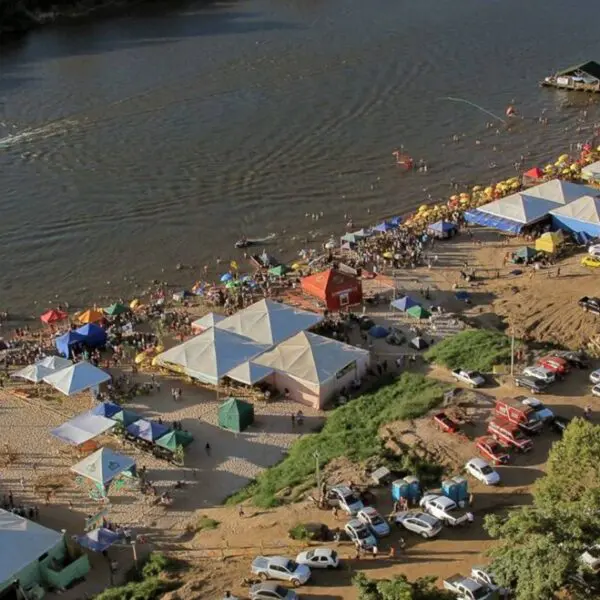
x: 53, y: 316
x: 336, y: 289
x: 535, y: 173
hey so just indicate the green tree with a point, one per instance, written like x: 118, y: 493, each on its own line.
x: 540, y: 544
x: 399, y: 588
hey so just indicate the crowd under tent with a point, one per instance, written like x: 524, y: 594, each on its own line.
x: 206, y: 322
x: 591, y: 172
x: 83, y: 428
x: 54, y: 363
x: 580, y: 216
x: 211, y: 355
x: 93, y: 335
x: 103, y: 466
x: 147, y: 430
x: 98, y: 540
x: 33, y: 558
x: 335, y: 289
x: 236, y: 415
x: 268, y: 322
x: 34, y: 373
x: 65, y: 342
x: 249, y: 373
x: 77, y: 378
x: 313, y: 368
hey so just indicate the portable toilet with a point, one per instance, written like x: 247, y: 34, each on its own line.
x: 450, y: 489
x: 462, y: 487
x: 400, y: 489
x: 414, y: 487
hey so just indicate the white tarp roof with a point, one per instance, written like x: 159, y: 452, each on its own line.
x: 212, y: 354
x: 22, y: 542
x: 77, y: 378
x: 520, y: 207
x: 249, y: 373
x: 208, y: 321
x: 54, y: 363
x: 592, y: 170
x: 35, y: 373
x: 311, y: 357
x: 269, y: 322
x: 585, y: 209
x: 103, y: 465
x: 82, y: 428
x: 561, y: 192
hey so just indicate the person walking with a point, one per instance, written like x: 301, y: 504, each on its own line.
x: 207, y: 448
x: 375, y: 551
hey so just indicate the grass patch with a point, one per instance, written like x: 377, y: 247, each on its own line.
x: 473, y: 349
x: 351, y: 431
x: 206, y: 524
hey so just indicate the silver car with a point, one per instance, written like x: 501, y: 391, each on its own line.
x: 360, y: 534
x: 269, y: 590
x: 425, y: 525
x: 374, y: 521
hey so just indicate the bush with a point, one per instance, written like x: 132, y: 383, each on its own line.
x: 351, y: 431
x: 473, y: 349
x: 206, y: 523
x: 299, y: 532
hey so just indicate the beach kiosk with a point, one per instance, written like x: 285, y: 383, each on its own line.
x: 236, y: 415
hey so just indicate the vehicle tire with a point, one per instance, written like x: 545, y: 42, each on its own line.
x: 295, y: 582
x: 263, y: 576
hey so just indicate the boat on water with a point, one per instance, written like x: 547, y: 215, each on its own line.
x: 581, y: 78
x: 245, y: 242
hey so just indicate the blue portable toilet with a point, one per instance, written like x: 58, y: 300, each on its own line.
x: 450, y: 489
x: 400, y: 489
x: 462, y: 489
x: 414, y: 487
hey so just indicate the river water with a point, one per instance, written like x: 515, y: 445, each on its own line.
x: 131, y: 143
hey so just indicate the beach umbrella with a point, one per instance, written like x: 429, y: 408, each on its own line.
x: 53, y: 316
x: 116, y: 309
x: 91, y: 315
x: 278, y: 271
x: 226, y: 277
x: 233, y: 284
x: 134, y: 304
x: 418, y: 312
x: 563, y: 158
x: 404, y: 303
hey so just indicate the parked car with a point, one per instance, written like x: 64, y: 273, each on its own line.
x: 472, y: 378
x: 492, y: 450
x: 576, y: 359
x: 556, y: 364
x: 591, y: 261
x: 466, y: 588
x: 596, y: 390
x: 542, y: 412
x: 445, y: 509
x: 594, y: 250
x: 559, y: 424
x: 319, y: 558
x: 590, y: 304
x: 540, y: 373
x: 535, y: 386
x: 359, y: 533
x: 374, y: 521
x: 269, y: 590
x: 478, y: 468
x: 343, y: 497
x: 280, y: 567
x: 515, y: 412
x: 509, y: 433
x: 425, y: 525
x: 591, y: 558
x: 595, y: 376
x: 482, y: 575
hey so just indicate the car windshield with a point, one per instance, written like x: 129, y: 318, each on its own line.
x: 281, y: 591
x: 350, y: 499
x: 362, y: 532
x: 310, y: 554
x: 481, y: 592
x: 377, y: 520
x: 333, y: 554
x: 291, y: 566
x: 487, y: 470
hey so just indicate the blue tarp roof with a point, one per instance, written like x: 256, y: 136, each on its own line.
x: 106, y: 409
x: 383, y: 227
x: 486, y: 220
x: 94, y: 334
x: 64, y: 342
x: 98, y: 540
x: 147, y: 430
x: 404, y: 303
x: 377, y: 331
x: 395, y: 221
x: 442, y: 226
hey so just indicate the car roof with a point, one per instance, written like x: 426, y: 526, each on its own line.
x: 344, y: 490
x: 355, y: 523
x: 279, y: 560
x: 321, y: 551
x: 444, y: 500
x: 533, y: 402
x: 471, y: 584
x: 422, y: 516
x: 478, y: 462
x: 267, y: 585
x: 369, y: 510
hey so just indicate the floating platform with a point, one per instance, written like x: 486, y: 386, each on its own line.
x: 580, y: 78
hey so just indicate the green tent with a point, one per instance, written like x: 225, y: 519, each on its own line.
x: 278, y: 271
x: 126, y: 417
x: 418, y: 312
x: 526, y: 253
x: 236, y: 414
x: 175, y: 438
x: 116, y: 309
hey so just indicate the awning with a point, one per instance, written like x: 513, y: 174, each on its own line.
x: 81, y: 376
x: 147, y: 430
x: 83, y: 428
x: 477, y: 217
x: 103, y: 466
x: 99, y: 540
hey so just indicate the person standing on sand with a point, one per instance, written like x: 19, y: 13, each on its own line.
x: 375, y: 552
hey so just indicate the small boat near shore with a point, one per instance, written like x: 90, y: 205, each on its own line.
x: 245, y: 242
x: 581, y: 78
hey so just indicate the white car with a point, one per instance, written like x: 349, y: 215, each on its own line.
x: 425, y: 525
x: 595, y: 376
x: 472, y: 378
x: 445, y: 509
x: 482, y: 471
x: 591, y: 558
x: 594, y: 250
x: 541, y: 410
x: 482, y: 575
x: 359, y: 533
x: 596, y: 390
x: 540, y: 373
x: 319, y: 558
x: 343, y: 497
x: 374, y: 521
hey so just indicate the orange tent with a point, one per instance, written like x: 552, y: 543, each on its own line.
x: 336, y: 289
x: 535, y: 173
x: 91, y: 315
x: 53, y: 316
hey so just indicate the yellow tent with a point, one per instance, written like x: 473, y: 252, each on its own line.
x: 549, y: 242
x: 91, y: 315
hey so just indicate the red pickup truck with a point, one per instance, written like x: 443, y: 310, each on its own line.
x: 555, y: 364
x: 508, y: 433
x: 520, y: 414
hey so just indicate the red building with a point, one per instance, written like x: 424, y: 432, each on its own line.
x: 335, y: 289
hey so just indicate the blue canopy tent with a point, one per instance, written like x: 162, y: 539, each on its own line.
x: 442, y: 229
x: 99, y: 540
x: 377, y: 331
x: 94, y: 335
x: 404, y: 303
x: 383, y: 227
x: 147, y: 430
x: 477, y: 217
x: 395, y: 221
x: 351, y: 238
x: 106, y: 409
x: 64, y: 342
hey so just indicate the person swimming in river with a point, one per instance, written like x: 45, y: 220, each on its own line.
x: 403, y: 160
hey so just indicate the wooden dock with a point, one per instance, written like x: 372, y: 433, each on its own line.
x: 576, y: 87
